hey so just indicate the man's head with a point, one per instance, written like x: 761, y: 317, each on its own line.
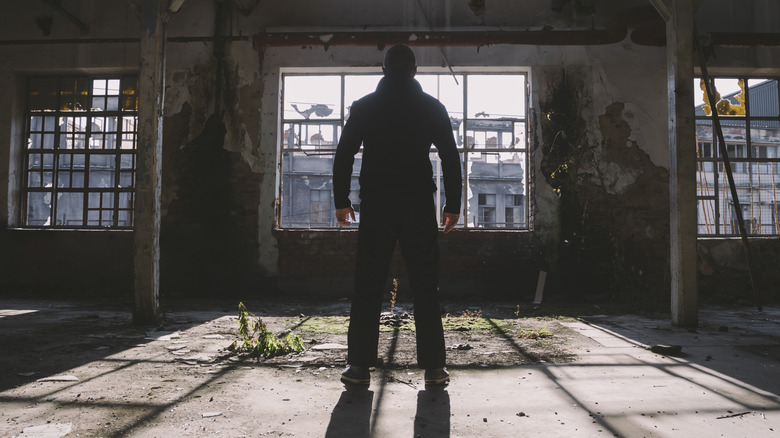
x: 399, y: 62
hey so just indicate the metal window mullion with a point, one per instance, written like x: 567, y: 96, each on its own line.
x: 749, y: 155
x: 26, y: 165
x: 115, y: 191
x: 118, y: 161
x: 56, y: 159
x: 465, y: 189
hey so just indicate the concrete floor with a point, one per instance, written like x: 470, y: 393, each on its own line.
x: 725, y: 383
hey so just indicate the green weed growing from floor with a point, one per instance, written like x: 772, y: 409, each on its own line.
x: 534, y: 334
x: 393, y: 296
x: 255, y: 339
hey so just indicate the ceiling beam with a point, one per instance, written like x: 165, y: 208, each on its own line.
x: 434, y: 38
x: 55, y: 4
x: 663, y: 8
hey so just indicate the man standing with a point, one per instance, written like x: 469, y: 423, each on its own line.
x: 396, y: 126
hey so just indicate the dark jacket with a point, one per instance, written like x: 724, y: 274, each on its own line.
x: 396, y: 125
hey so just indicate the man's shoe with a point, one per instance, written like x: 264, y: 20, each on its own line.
x: 356, y: 375
x: 436, y: 376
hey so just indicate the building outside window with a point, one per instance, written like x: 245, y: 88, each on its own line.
x: 320, y: 207
x: 80, y: 156
x: 750, y: 117
x: 513, y: 211
x: 488, y: 116
x: 487, y: 209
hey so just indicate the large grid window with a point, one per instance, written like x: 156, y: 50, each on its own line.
x: 80, y: 156
x: 749, y: 112
x: 488, y: 116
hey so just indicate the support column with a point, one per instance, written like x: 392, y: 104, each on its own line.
x: 151, y: 86
x: 682, y: 166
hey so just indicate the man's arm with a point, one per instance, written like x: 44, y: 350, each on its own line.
x: 349, y: 145
x: 450, y: 163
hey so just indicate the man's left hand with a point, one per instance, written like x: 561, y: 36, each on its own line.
x: 344, y: 214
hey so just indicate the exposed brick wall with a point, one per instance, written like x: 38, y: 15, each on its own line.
x: 503, y: 262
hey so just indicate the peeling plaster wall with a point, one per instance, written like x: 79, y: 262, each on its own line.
x: 211, y: 170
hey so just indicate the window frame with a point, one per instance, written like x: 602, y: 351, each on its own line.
x: 713, y: 193
x: 110, y: 205
x: 464, y: 150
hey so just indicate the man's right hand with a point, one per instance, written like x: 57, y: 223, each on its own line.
x: 449, y: 220
x: 344, y: 214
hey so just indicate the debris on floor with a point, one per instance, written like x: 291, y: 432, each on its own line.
x: 669, y: 350
x: 63, y: 378
x: 46, y: 431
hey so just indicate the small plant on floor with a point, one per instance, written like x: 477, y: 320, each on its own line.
x: 256, y: 340
x: 476, y: 314
x: 393, y: 295
x: 534, y: 334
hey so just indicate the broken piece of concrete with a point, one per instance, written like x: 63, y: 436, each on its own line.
x: 47, y: 431
x: 63, y: 378
x: 329, y: 346
x: 669, y: 350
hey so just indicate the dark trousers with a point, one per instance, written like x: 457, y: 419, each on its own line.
x: 411, y: 221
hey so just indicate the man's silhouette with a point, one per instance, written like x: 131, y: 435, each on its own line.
x: 397, y: 124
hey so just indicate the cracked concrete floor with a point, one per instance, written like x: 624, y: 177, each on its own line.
x: 81, y: 369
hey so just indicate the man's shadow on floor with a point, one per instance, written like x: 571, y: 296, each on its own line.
x: 351, y: 416
x: 433, y: 413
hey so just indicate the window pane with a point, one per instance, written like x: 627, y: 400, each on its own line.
x: 312, y: 97
x: 102, y: 170
x: 444, y: 88
x: 35, y: 161
x: 128, y: 132
x: 38, y: 208
x: 99, y: 103
x: 763, y: 99
x: 125, y: 218
x: 357, y: 86
x: 306, y: 181
x: 48, y: 141
x: 73, y: 94
x: 70, y: 209
x: 497, y: 190
x: 63, y: 178
x: 125, y: 200
x: 48, y: 161
x: 315, y: 135
x: 482, y: 134
x: 34, y: 179
x: 93, y: 200
x: 93, y: 218
x: 72, y: 132
x: 126, y: 179
x: 519, y: 140
x: 99, y: 87
x: 706, y: 215
x: 112, y: 87
x: 107, y: 218
x: 129, y: 93
x: 43, y: 94
x: 496, y: 96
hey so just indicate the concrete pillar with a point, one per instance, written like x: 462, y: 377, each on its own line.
x: 151, y: 88
x: 682, y: 167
